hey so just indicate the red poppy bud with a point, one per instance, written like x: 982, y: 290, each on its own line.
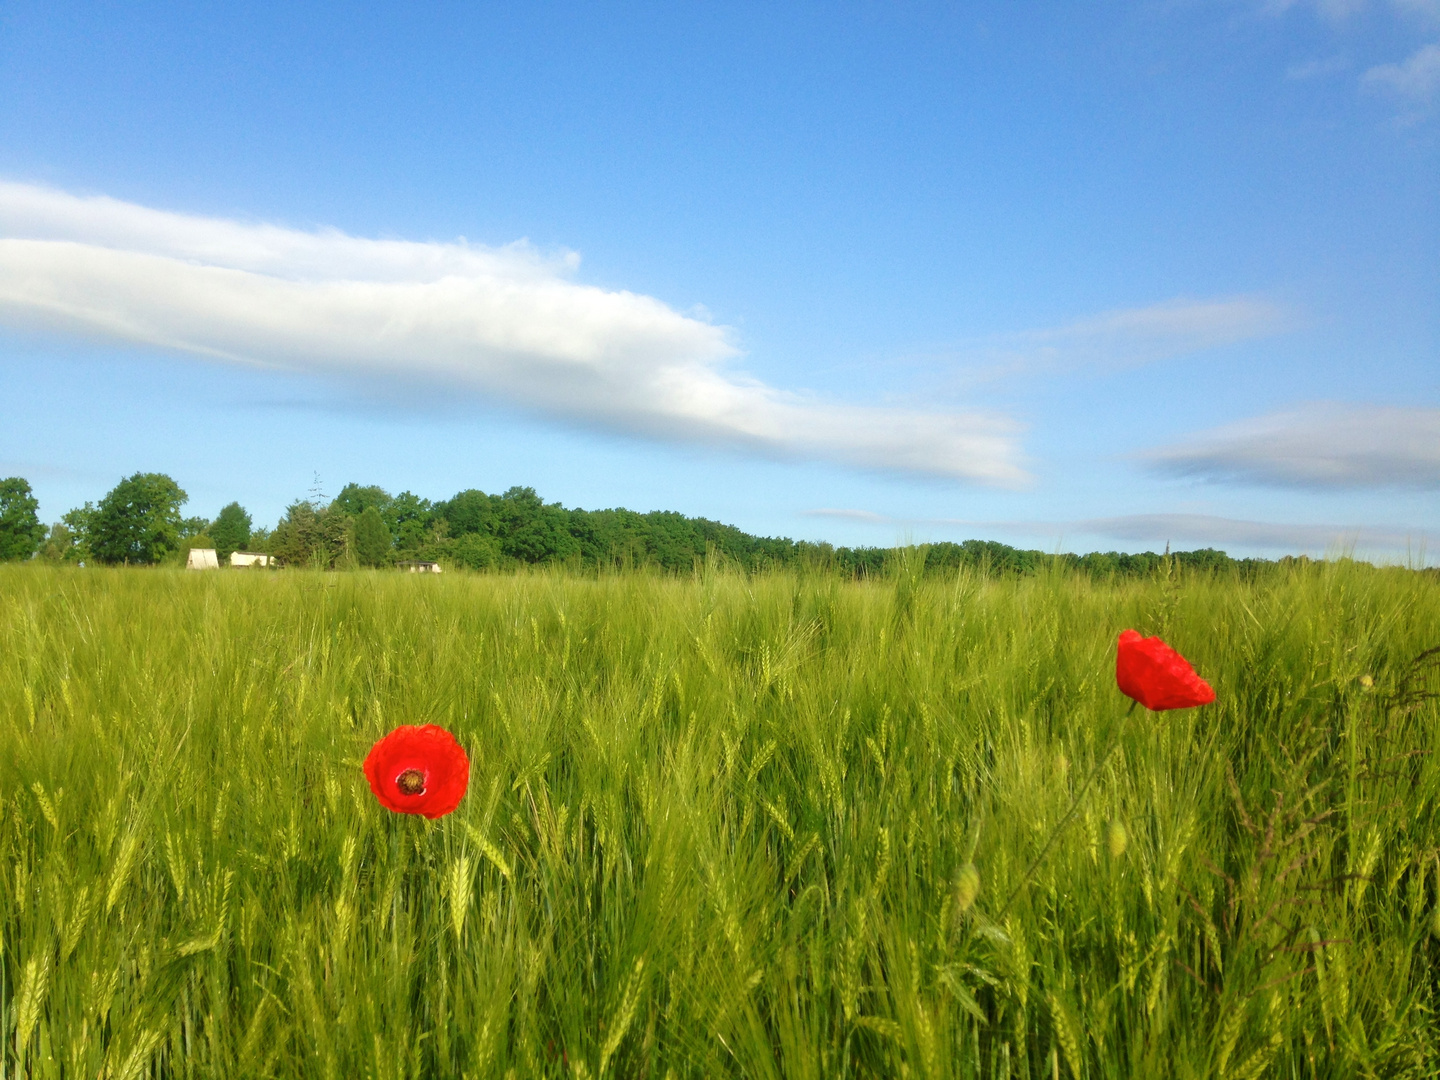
x: 1157, y: 676
x: 418, y: 770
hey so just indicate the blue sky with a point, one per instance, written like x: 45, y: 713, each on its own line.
x: 1079, y: 276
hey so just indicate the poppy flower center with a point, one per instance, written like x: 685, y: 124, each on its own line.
x: 411, y: 782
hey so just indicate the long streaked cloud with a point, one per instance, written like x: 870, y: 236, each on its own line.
x: 1132, y: 335
x: 1177, y: 529
x: 509, y: 323
x: 1127, y: 337
x: 1415, y: 80
x: 1316, y: 446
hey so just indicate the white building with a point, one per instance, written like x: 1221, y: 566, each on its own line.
x: 202, y: 559
x: 416, y: 567
x: 249, y: 558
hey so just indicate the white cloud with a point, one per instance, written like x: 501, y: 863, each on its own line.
x: 1131, y: 337
x: 1416, y: 79
x: 1316, y: 446
x: 1179, y: 530
x: 867, y: 516
x: 1173, y: 327
x: 505, y: 322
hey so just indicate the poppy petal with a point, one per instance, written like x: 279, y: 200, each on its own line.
x: 429, y: 750
x: 1158, y: 677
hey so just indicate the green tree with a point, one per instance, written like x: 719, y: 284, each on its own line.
x: 20, y: 528
x: 354, y: 498
x: 79, y: 525
x: 231, y: 531
x: 409, y: 518
x: 310, y: 537
x: 139, y: 520
x: 470, y: 511
x: 372, y: 538
x: 59, y: 544
x: 532, y: 530
x: 478, y: 551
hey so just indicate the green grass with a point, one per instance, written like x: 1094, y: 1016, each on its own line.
x: 716, y: 826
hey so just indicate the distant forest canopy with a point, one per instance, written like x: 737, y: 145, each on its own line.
x: 140, y: 522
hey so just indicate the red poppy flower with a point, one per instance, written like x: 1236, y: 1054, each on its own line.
x: 1157, y: 676
x: 418, y: 770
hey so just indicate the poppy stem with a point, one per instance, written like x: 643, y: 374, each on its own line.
x: 1060, y: 828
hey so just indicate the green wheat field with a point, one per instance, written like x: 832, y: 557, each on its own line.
x: 718, y: 825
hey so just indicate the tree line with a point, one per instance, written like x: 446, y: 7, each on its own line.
x: 140, y: 522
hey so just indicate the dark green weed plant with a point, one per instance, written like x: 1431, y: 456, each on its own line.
x: 725, y: 825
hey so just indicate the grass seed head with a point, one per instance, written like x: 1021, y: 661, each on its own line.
x: 1117, y: 838
x: 967, y: 887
